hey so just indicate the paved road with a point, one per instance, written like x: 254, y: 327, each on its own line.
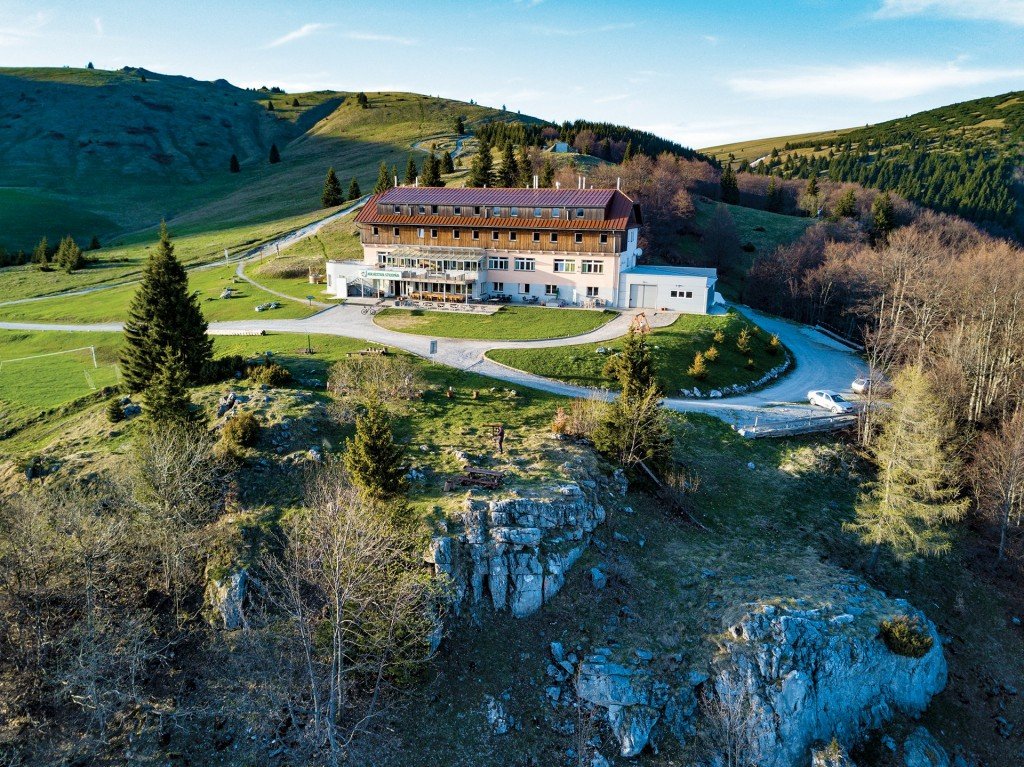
x: 820, y: 361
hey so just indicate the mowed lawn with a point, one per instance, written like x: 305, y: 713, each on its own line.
x: 673, y: 347
x: 111, y: 305
x: 510, y: 323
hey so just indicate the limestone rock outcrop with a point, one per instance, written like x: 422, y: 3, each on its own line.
x: 226, y: 596
x: 514, y: 553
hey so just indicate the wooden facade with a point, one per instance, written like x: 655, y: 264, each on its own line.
x: 444, y: 236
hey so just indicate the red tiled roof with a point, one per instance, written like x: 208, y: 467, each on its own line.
x: 618, y: 208
x: 530, y: 198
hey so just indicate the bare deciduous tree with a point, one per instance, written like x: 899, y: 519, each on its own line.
x: 728, y: 724
x: 998, y: 473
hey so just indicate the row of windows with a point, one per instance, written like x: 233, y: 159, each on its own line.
x: 497, y: 212
x: 681, y: 293
x: 586, y: 266
x: 495, y: 235
x: 549, y: 290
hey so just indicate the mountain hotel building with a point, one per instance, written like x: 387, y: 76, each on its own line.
x: 550, y: 246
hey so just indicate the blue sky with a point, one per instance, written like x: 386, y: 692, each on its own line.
x: 698, y: 72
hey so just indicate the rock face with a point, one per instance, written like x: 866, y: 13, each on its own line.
x: 814, y: 675
x: 832, y: 755
x: 226, y: 596
x: 514, y: 553
x: 796, y: 678
x: 921, y: 749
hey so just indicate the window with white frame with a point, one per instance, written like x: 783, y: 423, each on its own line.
x: 395, y: 231
x: 397, y: 208
x: 433, y: 210
x: 476, y: 234
x: 500, y: 264
x: 476, y: 210
x: 604, y: 239
x: 556, y: 212
x: 592, y: 292
x: 550, y: 290
x: 498, y: 287
x: 524, y: 288
x: 579, y: 213
x: 458, y: 210
x: 554, y: 236
x: 512, y: 236
x: 495, y: 235
x: 513, y: 211
x: 376, y: 231
x: 578, y: 237
x: 565, y: 265
x: 536, y: 236
x: 455, y: 234
x: 538, y: 212
x: 419, y: 232
x: 496, y: 212
x: 526, y: 264
x: 433, y: 234
x: 681, y: 293
x: 592, y: 267
x: 422, y: 209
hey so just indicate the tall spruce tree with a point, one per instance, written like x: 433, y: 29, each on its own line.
x: 525, y: 167
x: 233, y: 164
x: 730, y: 188
x: 372, y: 458
x: 633, y: 367
x: 164, y: 314
x: 774, y: 196
x: 166, y: 401
x: 883, y: 219
x: 383, y: 181
x: 481, y: 171
x: 447, y: 163
x: 275, y: 155
x: 547, y: 174
x: 628, y: 154
x: 915, y: 493
x: 411, y: 171
x: 41, y: 254
x: 846, y: 205
x: 432, y: 171
x: 69, y: 256
x: 353, y: 190
x: 332, y: 190
x: 508, y: 175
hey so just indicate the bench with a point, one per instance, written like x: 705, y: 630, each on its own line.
x: 476, y: 477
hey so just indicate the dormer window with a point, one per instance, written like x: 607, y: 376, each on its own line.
x: 579, y: 212
x: 476, y: 210
x: 556, y: 212
x: 513, y: 211
x: 398, y: 208
x: 458, y: 210
x: 497, y: 211
x: 422, y: 210
x: 538, y: 212
x: 433, y: 210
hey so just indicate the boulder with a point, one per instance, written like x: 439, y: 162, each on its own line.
x: 921, y: 749
x: 226, y: 596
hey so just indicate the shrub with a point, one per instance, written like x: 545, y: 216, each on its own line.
x: 241, y: 430
x: 743, y: 341
x: 750, y: 363
x: 223, y: 368
x: 774, y: 344
x: 699, y: 368
x: 719, y: 337
x: 907, y: 636
x: 560, y: 423
x: 711, y: 354
x: 269, y: 373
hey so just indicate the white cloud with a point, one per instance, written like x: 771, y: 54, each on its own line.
x: 711, y: 39
x: 869, y: 82
x: 24, y: 30
x: 304, y: 31
x: 1004, y: 11
x: 373, y: 37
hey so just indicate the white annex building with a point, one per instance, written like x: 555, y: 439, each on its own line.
x: 564, y: 247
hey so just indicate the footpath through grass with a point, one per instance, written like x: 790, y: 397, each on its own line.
x: 510, y: 323
x: 112, y: 305
x: 673, y: 348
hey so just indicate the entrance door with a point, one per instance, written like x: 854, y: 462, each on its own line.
x: 643, y: 296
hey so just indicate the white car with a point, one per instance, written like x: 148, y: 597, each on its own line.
x: 873, y: 385
x: 830, y: 400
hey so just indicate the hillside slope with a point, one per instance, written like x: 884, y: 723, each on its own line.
x: 964, y: 158
x: 92, y: 152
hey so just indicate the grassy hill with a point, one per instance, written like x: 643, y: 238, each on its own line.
x: 93, y: 152
x: 964, y: 158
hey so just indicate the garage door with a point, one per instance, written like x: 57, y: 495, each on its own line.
x: 643, y: 296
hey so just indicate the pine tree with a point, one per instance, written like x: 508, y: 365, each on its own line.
x: 270, y: 105
x: 362, y: 100
x: 633, y: 368
x: 295, y: 102
x: 882, y: 215
x: 41, y: 254
x: 372, y: 457
x: 275, y: 156
x: 699, y: 368
x: 234, y: 165
x: 94, y: 243
x: 331, y: 195
x: 166, y: 401
x: 69, y: 256
x: 846, y: 205
x: 628, y: 154
x: 481, y: 172
x: 353, y: 190
x: 163, y: 313
x: 729, y: 186
x: 383, y: 182
x: 914, y: 495
x: 508, y: 176
x: 525, y: 167
x: 411, y: 171
x: 115, y: 413
x: 547, y: 174
x: 774, y: 196
x: 812, y: 186
x: 460, y: 125
x: 447, y: 163
x: 432, y: 171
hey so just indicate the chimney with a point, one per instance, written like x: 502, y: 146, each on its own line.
x: 536, y: 181
x: 396, y: 180
x: 417, y: 181
x: 584, y: 182
x: 618, y: 184
x: 558, y: 185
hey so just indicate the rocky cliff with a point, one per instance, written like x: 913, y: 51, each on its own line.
x: 780, y: 680
x: 514, y: 552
